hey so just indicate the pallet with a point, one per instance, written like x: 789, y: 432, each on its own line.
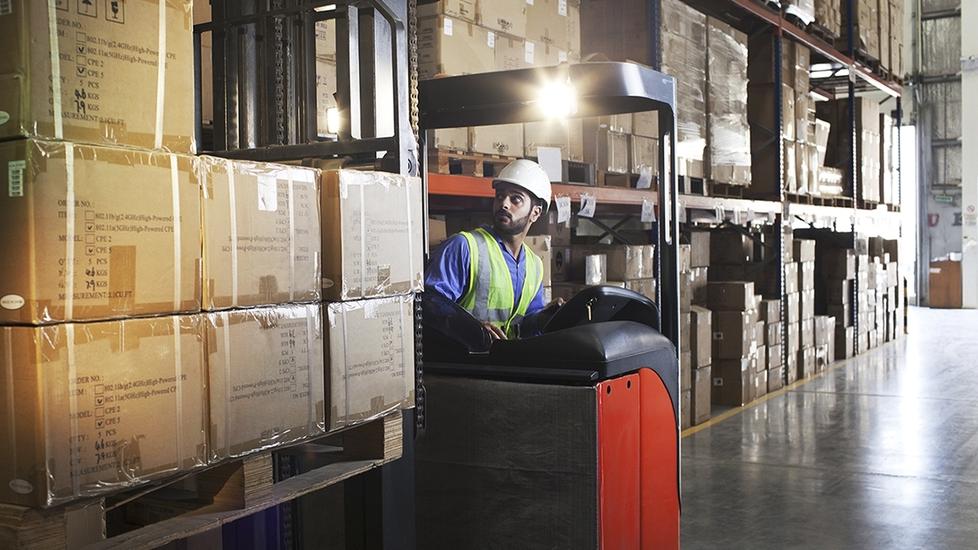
x: 445, y: 161
x: 823, y: 33
x: 689, y: 185
x: 814, y: 200
x: 199, y: 501
x: 625, y: 181
x: 725, y: 190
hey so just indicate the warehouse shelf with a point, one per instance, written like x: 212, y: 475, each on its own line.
x: 745, y: 15
x: 452, y: 185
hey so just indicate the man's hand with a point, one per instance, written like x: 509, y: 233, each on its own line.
x: 495, y: 333
x: 556, y: 304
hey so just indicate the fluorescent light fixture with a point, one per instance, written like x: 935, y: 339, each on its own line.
x: 557, y: 99
x: 327, y: 7
x: 333, y: 120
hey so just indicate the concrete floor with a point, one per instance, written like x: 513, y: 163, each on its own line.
x: 881, y: 452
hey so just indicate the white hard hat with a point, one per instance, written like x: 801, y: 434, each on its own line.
x: 528, y: 175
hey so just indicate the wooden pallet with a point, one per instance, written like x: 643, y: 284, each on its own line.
x: 825, y: 34
x: 689, y: 185
x: 199, y: 501
x: 444, y: 161
x: 725, y: 190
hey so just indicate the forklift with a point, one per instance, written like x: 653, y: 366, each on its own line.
x: 568, y: 439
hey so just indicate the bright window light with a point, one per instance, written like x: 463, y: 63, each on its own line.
x: 333, y: 120
x: 557, y: 99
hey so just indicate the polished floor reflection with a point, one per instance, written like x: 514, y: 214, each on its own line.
x: 881, y: 452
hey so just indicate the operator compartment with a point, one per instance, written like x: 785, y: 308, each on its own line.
x: 564, y: 439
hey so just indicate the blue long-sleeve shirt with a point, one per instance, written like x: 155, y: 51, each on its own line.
x: 448, y: 271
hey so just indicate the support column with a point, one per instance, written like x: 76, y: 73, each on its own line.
x: 969, y: 155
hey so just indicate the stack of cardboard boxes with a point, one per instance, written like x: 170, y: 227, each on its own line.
x: 866, y: 26
x: 728, y: 155
x: 695, y: 358
x: 625, y: 266
x: 737, y: 371
x: 798, y: 126
x: 147, y: 283
x: 836, y: 268
x: 770, y: 316
x: 868, y: 145
x: 828, y: 16
x: 804, y: 255
x: 468, y: 37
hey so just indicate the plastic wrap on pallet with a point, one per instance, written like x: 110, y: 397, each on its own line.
x: 829, y: 181
x: 265, y: 377
x: 101, y: 406
x: 804, y: 10
x: 829, y: 16
x: 866, y: 26
x: 365, y: 382
x: 728, y: 131
x: 684, y: 57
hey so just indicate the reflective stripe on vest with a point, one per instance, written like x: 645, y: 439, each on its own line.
x: 490, y: 293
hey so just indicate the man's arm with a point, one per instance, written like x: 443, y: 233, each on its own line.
x: 448, y: 271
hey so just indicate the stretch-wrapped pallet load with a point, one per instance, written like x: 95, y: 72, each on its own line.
x: 95, y: 73
x: 896, y: 37
x: 802, y: 10
x: 828, y: 16
x: 261, y: 233
x: 94, y: 232
x: 867, y: 142
x: 100, y: 406
x: 367, y: 381
x: 865, y: 24
x: 684, y: 46
x: 728, y: 131
x: 265, y: 377
x: 372, y: 234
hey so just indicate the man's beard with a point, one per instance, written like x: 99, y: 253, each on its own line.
x: 515, y: 227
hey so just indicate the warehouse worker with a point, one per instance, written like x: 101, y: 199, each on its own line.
x: 487, y: 270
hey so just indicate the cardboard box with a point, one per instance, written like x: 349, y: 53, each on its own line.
x: 459, y: 9
x: 438, y: 233
x: 806, y: 302
x: 112, y: 91
x: 448, y: 46
x: 606, y: 149
x: 365, y: 382
x: 760, y: 358
x: 684, y: 331
x: 806, y: 276
x: 770, y: 311
x: 803, y: 250
x: 775, y: 378
x: 502, y: 139
x: 509, y: 52
x: 540, y: 245
x: 806, y: 362
x: 838, y: 292
x: 685, y: 371
x: 129, y: 256
x: 623, y: 262
x: 546, y: 23
x: 265, y: 377
x: 760, y: 383
x: 595, y: 270
x: 273, y: 221
x: 702, y: 388
x: 791, y: 283
x: 731, y: 296
x: 699, y: 285
x: 794, y: 338
x: 792, y: 307
x: 645, y: 287
x: 733, y: 335
x: 101, y: 406
x: 731, y: 382
x: 566, y: 135
x: 806, y: 331
x: 646, y: 123
x: 945, y: 284
x: 372, y: 234
x: 701, y: 336
x: 643, y: 157
x: 505, y: 16
x: 326, y: 89
x: 560, y: 233
x: 699, y: 248
x: 773, y: 357
x: 772, y: 334
x: 455, y: 139
x: 731, y: 247
x: 685, y: 412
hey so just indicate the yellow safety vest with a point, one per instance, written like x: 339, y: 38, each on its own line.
x: 490, y: 293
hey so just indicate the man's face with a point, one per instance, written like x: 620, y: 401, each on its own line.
x: 513, y: 209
